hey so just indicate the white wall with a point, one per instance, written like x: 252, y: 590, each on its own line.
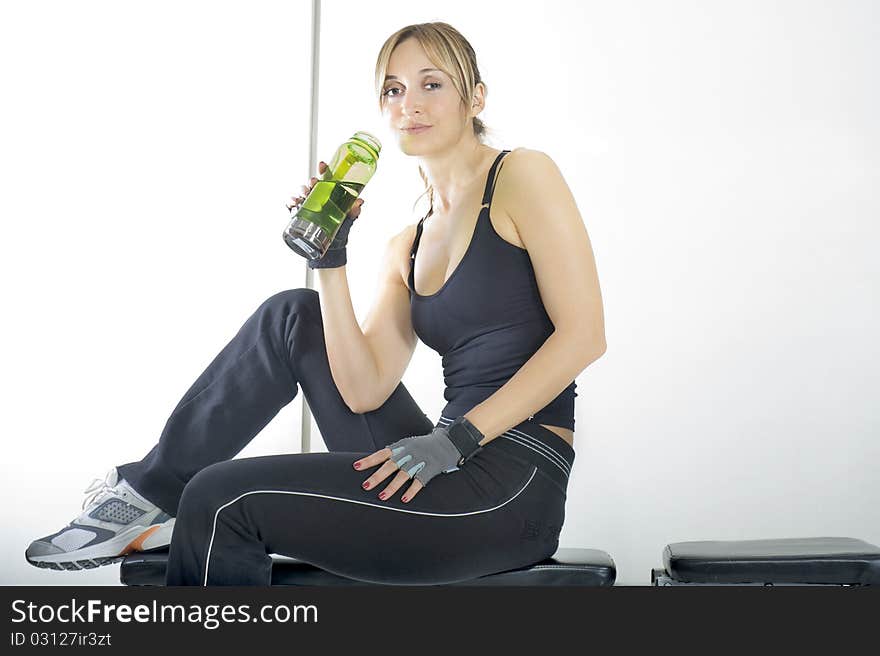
x: 722, y: 156
x: 147, y: 153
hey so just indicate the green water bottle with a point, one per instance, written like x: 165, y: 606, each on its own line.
x: 313, y: 226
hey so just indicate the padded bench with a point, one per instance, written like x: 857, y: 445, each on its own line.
x: 787, y: 561
x: 578, y: 567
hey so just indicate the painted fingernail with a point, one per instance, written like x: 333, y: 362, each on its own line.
x: 366, y: 485
x: 382, y: 496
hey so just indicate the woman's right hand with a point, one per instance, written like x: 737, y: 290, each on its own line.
x: 305, y: 190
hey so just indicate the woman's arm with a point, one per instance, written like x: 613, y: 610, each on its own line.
x: 351, y: 362
x: 367, y: 362
x: 538, y: 200
x: 540, y: 380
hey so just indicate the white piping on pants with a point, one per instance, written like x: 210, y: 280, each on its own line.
x: 363, y: 503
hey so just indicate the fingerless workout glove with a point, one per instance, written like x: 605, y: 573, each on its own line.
x: 441, y: 451
x: 336, y: 254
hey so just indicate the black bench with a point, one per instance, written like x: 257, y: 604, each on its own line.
x: 577, y: 567
x: 785, y: 561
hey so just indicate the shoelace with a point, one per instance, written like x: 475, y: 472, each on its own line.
x: 99, y: 488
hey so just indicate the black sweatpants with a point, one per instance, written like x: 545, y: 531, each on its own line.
x: 503, y: 509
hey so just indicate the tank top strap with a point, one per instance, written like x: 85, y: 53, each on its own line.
x: 412, y: 254
x: 490, y: 182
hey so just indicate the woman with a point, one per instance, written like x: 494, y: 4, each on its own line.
x: 504, y: 287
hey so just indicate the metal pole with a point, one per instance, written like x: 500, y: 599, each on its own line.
x: 306, y: 425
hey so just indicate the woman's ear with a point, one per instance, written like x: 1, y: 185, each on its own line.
x: 479, y: 101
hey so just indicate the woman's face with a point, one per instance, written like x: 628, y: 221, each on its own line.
x: 415, y: 96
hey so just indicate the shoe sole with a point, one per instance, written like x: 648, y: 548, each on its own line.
x: 134, y: 540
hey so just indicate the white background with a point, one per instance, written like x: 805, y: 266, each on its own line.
x: 724, y: 157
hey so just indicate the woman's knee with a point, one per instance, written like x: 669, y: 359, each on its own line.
x: 207, y: 486
x: 288, y: 308
x: 294, y: 299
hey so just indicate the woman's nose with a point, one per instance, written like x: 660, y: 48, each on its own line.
x: 412, y: 103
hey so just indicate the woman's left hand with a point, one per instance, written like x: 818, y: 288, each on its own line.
x: 383, y: 456
x: 421, y: 457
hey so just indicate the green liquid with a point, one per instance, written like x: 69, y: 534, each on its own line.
x: 329, y: 202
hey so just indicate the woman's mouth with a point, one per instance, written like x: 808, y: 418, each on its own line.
x: 418, y: 130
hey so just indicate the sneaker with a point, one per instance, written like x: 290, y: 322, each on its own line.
x: 116, y: 521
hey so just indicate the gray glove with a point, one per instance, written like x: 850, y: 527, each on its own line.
x: 424, y: 456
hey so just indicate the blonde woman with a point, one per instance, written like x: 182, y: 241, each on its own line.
x: 498, y: 277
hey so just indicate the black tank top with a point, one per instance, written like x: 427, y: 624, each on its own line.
x: 486, y: 320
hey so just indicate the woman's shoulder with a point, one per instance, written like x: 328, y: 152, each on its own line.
x: 398, y: 250
x: 524, y: 170
x: 406, y: 237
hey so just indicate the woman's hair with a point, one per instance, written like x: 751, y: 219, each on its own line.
x: 449, y: 51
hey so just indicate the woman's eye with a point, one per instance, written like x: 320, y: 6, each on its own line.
x: 387, y: 92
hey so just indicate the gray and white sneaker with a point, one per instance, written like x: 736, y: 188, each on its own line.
x: 116, y: 521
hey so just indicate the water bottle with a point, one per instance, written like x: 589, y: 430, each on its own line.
x: 314, y: 225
